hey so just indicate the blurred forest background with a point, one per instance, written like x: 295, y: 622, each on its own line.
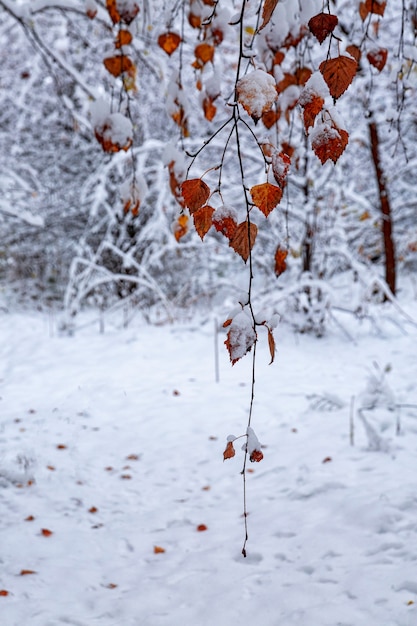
x: 78, y: 229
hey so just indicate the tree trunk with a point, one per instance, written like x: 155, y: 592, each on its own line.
x: 387, y: 231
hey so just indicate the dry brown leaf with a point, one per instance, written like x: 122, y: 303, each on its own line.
x: 266, y: 197
x: 124, y: 38
x: 270, y: 118
x: 181, y: 227
x: 127, y: 10
x: 29, y: 518
x: 195, y: 193
x: 268, y: 9
x: 225, y: 225
x: 322, y: 25
x: 354, y: 52
x: 371, y: 6
x: 378, y: 58
x: 203, y: 220
x: 256, y: 456
x: 119, y: 64
x: 244, y: 238
x: 280, y: 261
x: 169, y: 42
x: 311, y: 109
x: 229, y: 452
x: 330, y: 143
x: 338, y: 74
x: 46, y: 532
x: 271, y: 345
x: 281, y: 163
x: 209, y: 109
x: 201, y: 528
x: 158, y: 550
x: 204, y: 53
x: 4, y: 592
x: 111, y: 6
x: 27, y: 572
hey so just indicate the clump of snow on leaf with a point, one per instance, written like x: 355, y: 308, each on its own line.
x: 241, y: 336
x: 253, y: 442
x: 112, y: 129
x: 315, y: 86
x: 224, y: 211
x: 257, y: 92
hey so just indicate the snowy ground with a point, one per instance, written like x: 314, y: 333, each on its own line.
x: 114, y: 443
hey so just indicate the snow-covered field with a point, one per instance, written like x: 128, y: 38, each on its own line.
x: 113, y: 442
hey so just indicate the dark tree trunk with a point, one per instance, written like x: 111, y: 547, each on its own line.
x: 387, y: 231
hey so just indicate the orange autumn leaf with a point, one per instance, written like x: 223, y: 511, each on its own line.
x: 280, y: 261
x: 338, y: 74
x: 354, y: 52
x: 322, y: 25
x: 268, y: 9
x: 111, y: 6
x: 194, y: 20
x: 124, y: 38
x: 93, y: 509
x: 371, y: 6
x: 61, y: 446
x: 256, y: 456
x: 46, y: 532
x: 169, y: 42
x: 287, y: 80
x: 174, y: 184
x: 244, y: 238
x: 378, y: 58
x: 29, y: 518
x: 209, y: 109
x: 27, y: 572
x: 204, y: 53
x: 203, y: 220
x: 158, y: 550
x: 180, y: 118
x: 269, y: 118
x: 181, y: 227
x: 225, y: 225
x: 330, y: 143
x: 4, y: 592
x: 302, y: 75
x: 311, y: 109
x: 195, y: 193
x: 281, y: 163
x: 271, y: 346
x: 119, y: 64
x: 201, y: 528
x: 266, y: 197
x: 229, y: 452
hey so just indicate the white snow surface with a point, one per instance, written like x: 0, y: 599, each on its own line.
x: 332, y: 527
x: 257, y: 92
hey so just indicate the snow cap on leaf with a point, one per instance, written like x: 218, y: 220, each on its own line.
x: 256, y: 92
x: 241, y: 336
x: 253, y: 446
